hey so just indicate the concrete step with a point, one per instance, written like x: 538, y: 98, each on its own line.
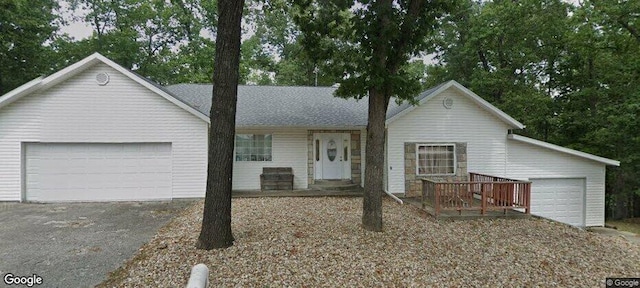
x: 334, y: 185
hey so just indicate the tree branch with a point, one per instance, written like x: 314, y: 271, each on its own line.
x: 398, y: 50
x: 634, y: 32
x: 483, y: 59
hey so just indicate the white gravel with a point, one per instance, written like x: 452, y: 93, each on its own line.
x: 310, y: 242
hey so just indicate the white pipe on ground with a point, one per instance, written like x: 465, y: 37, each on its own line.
x: 199, y: 277
x: 393, y: 196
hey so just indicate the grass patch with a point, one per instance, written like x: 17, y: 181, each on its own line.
x: 630, y: 225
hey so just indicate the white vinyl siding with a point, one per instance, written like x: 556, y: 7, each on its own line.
x: 465, y: 122
x: 527, y: 161
x: 289, y: 149
x: 78, y: 110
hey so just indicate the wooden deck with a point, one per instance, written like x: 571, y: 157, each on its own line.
x: 482, y: 195
x: 465, y: 214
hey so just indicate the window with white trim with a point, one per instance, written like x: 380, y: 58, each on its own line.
x: 253, y: 147
x: 436, y: 159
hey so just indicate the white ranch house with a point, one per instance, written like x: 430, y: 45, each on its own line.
x: 96, y: 131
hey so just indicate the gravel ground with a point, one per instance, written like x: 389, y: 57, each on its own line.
x: 319, y: 242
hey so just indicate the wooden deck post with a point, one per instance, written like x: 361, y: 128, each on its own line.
x: 527, y: 198
x: 437, y: 198
x: 424, y: 191
x: 495, y: 194
x: 483, y: 198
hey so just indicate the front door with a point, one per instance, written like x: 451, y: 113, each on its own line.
x: 332, y: 156
x: 331, y: 163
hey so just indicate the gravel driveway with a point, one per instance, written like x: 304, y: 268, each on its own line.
x: 76, y: 244
x: 318, y: 242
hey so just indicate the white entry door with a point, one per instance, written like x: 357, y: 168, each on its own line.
x: 331, y: 156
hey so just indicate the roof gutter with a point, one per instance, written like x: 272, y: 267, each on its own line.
x: 561, y: 149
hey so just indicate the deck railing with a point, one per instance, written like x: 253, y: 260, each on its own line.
x: 481, y: 193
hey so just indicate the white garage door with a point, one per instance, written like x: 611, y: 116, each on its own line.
x: 559, y: 199
x: 97, y: 172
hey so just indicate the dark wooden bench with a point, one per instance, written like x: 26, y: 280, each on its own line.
x: 276, y: 178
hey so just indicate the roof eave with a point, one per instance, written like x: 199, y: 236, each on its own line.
x: 424, y: 100
x: 554, y: 147
x: 70, y: 71
x: 493, y: 109
x: 473, y: 96
x: 76, y: 68
x: 153, y: 88
x: 23, y: 90
x: 309, y: 127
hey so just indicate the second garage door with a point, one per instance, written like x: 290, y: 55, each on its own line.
x: 97, y: 172
x: 559, y: 199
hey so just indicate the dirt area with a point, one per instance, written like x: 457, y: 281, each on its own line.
x: 630, y: 225
x: 319, y: 242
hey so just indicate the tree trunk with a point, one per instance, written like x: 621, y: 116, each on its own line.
x: 216, y: 221
x: 374, y: 164
x: 2, y: 92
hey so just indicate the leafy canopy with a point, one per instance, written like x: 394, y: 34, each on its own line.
x: 348, y: 35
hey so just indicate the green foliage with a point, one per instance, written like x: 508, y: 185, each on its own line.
x: 512, y: 66
x: 570, y: 73
x: 274, y: 53
x: 369, y: 44
x: 26, y: 27
x: 162, y: 40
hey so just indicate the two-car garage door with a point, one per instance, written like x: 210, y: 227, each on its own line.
x: 559, y: 199
x: 97, y: 171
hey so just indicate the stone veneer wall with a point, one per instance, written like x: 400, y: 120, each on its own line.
x: 412, y: 182
x: 355, y: 154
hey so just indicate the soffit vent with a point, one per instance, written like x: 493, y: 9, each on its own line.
x: 447, y: 103
x: 102, y: 78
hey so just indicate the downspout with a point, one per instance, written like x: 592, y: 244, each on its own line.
x: 393, y: 196
x: 506, y: 152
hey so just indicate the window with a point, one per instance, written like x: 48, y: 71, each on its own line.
x: 436, y: 159
x: 253, y: 147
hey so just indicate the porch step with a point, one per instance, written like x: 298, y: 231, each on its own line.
x: 334, y: 185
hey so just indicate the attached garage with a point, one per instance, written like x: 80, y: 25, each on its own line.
x: 566, y: 185
x: 97, y: 171
x: 560, y: 199
x: 95, y: 131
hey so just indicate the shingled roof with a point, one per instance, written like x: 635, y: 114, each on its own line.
x: 281, y: 105
x: 292, y: 106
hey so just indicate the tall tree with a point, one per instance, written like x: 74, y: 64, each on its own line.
x: 600, y: 95
x: 511, y: 66
x: 162, y: 40
x: 369, y: 43
x: 274, y: 54
x: 570, y: 73
x: 25, y: 29
x: 216, y: 221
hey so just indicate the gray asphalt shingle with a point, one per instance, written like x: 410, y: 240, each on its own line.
x: 292, y: 106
